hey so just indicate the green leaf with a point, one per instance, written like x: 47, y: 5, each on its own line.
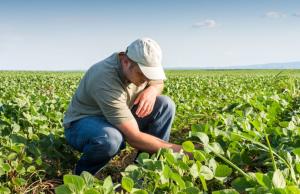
x: 19, y: 181
x: 194, y: 171
x: 131, y: 168
x: 217, y: 148
x: 247, y: 111
x: 108, y: 185
x: 18, y: 148
x: 142, y: 156
x: 12, y: 156
x: 88, y: 178
x: 203, y: 182
x: 293, y: 189
x: 177, y: 178
x: 6, y: 167
x: 297, y: 151
x: 263, y: 180
x: 20, y: 168
x: 169, y: 157
x: 223, y: 171
x: 28, y: 159
x: 241, y: 184
x: 198, y: 128
x: 164, y: 180
x: 167, y: 172
x: 183, y: 166
x: 280, y: 191
x: 298, y: 167
x: 4, y: 190
x: 278, y: 179
x: 192, y: 190
x: 91, y: 191
x: 284, y: 124
x: 199, y: 156
x: 62, y: 189
x: 257, y: 124
x: 158, y: 165
x: 75, y: 180
x: 127, y: 183
x: 212, y: 164
x: 1, y: 171
x: 206, y: 173
x: 39, y: 161
x: 226, y: 191
x: 188, y: 146
x: 202, y: 136
x: 31, y: 169
x: 15, y: 128
x: 139, y: 191
x: 35, y: 137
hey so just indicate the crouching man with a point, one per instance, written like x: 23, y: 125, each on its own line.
x: 119, y: 99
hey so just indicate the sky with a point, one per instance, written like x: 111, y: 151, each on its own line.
x: 73, y: 34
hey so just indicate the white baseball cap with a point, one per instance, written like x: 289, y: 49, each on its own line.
x: 147, y: 54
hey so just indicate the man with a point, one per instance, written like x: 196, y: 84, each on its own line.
x: 119, y: 100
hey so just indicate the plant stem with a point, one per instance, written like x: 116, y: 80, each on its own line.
x: 271, y: 152
x: 229, y: 162
x: 274, y: 153
x: 263, y: 146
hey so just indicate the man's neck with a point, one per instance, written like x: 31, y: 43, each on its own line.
x: 121, y: 69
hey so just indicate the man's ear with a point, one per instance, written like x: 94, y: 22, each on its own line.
x: 126, y: 62
x: 123, y: 58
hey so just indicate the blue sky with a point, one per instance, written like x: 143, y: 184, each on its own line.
x: 73, y: 35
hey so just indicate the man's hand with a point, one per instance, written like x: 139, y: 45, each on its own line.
x: 146, y: 100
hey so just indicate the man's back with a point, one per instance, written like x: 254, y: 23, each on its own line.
x: 103, y: 91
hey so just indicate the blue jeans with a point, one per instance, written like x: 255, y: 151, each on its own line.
x: 99, y: 141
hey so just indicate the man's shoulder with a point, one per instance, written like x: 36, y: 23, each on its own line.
x: 104, y: 74
x: 106, y: 65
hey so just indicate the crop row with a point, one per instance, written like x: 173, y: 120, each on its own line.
x: 246, y: 128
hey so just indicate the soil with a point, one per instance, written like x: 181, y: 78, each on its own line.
x: 118, y: 165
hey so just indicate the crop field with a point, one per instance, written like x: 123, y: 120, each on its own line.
x: 241, y: 126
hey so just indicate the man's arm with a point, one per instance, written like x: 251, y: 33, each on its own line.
x: 157, y: 84
x: 143, y: 141
x: 147, y: 97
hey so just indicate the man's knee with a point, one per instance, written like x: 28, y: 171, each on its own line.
x: 166, y: 103
x: 104, y: 147
x: 114, y: 143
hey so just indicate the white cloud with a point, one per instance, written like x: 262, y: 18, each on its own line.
x: 274, y: 15
x: 209, y: 23
x: 296, y: 14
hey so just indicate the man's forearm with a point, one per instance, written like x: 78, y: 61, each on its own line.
x: 151, y: 144
x: 143, y: 141
x: 158, y: 87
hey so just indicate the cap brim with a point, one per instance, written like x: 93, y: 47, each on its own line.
x: 153, y: 73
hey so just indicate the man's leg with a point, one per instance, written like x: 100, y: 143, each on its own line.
x: 159, y: 121
x: 97, y: 139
